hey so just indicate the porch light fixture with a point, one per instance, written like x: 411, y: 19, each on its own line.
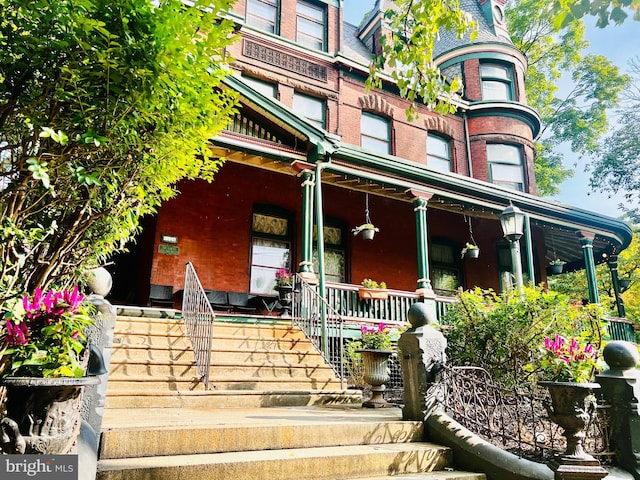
x: 512, y: 221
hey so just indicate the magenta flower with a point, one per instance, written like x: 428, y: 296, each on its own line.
x: 17, y: 333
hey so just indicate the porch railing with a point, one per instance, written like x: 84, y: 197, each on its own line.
x: 345, y: 299
x: 198, y: 318
x: 307, y: 312
x: 621, y: 329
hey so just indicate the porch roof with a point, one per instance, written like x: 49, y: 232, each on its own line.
x: 392, y: 176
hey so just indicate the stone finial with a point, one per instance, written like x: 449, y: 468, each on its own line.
x: 621, y: 355
x: 420, y: 315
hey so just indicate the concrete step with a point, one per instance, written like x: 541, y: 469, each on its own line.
x: 317, y: 463
x: 220, y: 371
x: 255, y: 432
x: 446, y: 474
x: 132, y: 398
x: 176, y: 383
x: 123, y: 352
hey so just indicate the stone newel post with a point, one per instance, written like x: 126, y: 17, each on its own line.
x: 621, y: 389
x: 422, y: 353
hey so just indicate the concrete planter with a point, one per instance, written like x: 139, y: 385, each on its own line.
x: 376, y: 374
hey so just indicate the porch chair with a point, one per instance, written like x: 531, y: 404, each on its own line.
x: 219, y: 300
x: 160, y: 295
x: 241, y: 302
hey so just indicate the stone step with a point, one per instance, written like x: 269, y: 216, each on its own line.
x: 221, y: 371
x: 318, y: 463
x: 222, y: 342
x: 136, y: 353
x: 186, y: 383
x: 134, y: 398
x: 170, y: 439
x: 446, y: 474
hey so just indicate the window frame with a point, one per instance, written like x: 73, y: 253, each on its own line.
x: 387, y: 140
x: 438, y: 159
x: 501, y: 161
x: 505, y: 81
x: 287, y: 238
x: 454, y: 267
x: 331, y: 222
x: 301, y: 35
x: 261, y: 86
x: 257, y: 23
x: 321, y: 102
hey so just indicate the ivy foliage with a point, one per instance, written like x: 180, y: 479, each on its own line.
x: 504, y: 333
x: 104, y: 106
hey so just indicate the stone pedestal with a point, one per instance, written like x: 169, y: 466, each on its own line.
x: 422, y: 352
x: 621, y: 390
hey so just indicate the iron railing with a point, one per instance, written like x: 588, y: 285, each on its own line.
x: 198, y: 317
x: 306, y: 312
x: 514, y: 419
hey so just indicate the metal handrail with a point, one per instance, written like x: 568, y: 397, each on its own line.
x: 198, y: 317
x: 306, y: 313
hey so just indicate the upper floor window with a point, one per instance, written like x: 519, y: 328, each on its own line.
x: 505, y: 166
x: 375, y: 133
x: 312, y: 108
x: 263, y: 14
x: 497, y: 81
x: 310, y: 26
x: 265, y: 88
x: 438, y: 152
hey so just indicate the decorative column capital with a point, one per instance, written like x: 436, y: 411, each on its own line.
x: 586, y: 238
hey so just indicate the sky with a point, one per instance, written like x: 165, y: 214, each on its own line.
x: 619, y: 44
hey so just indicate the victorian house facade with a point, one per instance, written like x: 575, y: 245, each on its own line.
x: 311, y: 155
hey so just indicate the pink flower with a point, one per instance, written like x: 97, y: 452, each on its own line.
x: 17, y: 333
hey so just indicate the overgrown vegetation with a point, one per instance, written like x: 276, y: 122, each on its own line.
x: 505, y: 333
x: 104, y: 106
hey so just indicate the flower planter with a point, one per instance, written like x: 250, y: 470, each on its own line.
x: 373, y: 293
x: 556, y: 268
x: 376, y: 374
x: 43, y: 414
x: 368, y: 234
x: 572, y: 405
x: 472, y: 253
x: 285, y: 297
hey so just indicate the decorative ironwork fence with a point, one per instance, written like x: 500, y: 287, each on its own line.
x: 514, y: 419
x: 307, y: 310
x: 621, y: 329
x: 198, y: 317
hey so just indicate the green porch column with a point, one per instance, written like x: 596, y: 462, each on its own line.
x: 586, y: 240
x: 306, y: 261
x: 420, y: 200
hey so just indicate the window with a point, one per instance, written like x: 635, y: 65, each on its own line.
x: 263, y: 14
x: 334, y: 251
x: 505, y: 267
x: 505, y: 166
x: 270, y: 248
x: 375, y: 133
x: 265, y: 88
x: 497, y: 81
x: 438, y: 153
x: 310, y: 107
x: 445, y: 270
x: 310, y: 21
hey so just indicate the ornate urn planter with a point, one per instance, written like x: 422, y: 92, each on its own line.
x: 43, y: 414
x: 285, y: 297
x: 376, y: 374
x: 572, y: 405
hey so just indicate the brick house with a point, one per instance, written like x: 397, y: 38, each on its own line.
x: 309, y: 142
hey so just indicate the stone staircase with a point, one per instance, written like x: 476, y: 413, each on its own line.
x: 160, y: 423
x: 268, y: 363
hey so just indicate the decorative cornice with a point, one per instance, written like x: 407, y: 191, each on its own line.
x: 376, y: 104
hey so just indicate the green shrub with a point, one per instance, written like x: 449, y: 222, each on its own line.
x: 504, y: 333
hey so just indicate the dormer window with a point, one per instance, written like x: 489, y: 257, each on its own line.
x: 497, y: 81
x: 263, y: 14
x: 310, y: 26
